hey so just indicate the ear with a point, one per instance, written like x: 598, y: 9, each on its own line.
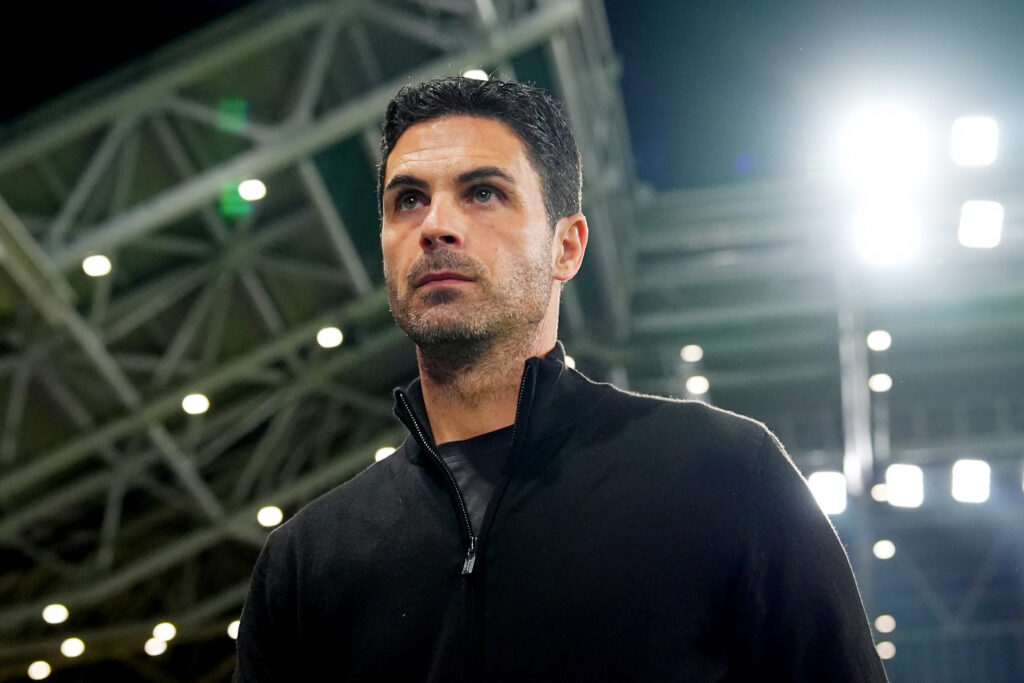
x: 569, y: 244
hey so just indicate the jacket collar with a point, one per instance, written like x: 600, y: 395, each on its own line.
x: 541, y: 411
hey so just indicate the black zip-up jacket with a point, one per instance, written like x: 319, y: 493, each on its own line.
x: 631, y: 538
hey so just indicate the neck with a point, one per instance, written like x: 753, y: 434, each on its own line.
x: 473, y: 389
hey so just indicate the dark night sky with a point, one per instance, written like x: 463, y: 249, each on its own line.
x: 715, y: 91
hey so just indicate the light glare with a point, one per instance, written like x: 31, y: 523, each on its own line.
x: 971, y: 481
x: 233, y: 629
x: 904, y: 485
x: 974, y: 141
x: 981, y: 224
x: 165, y: 631
x: 39, y: 670
x: 829, y: 489
x: 195, y: 404
x: 886, y: 650
x: 329, y: 337
x: 72, y: 647
x: 698, y: 385
x: 383, y: 453
x: 879, y: 493
x: 476, y: 74
x: 880, y: 383
x: 879, y: 340
x: 55, y: 614
x: 252, y: 190
x: 269, y: 516
x: 887, y: 233
x: 96, y: 265
x: 570, y: 362
x: 691, y: 353
x: 884, y: 149
x: 885, y: 623
x: 884, y: 549
x: 155, y: 646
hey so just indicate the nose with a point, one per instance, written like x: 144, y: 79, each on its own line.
x: 443, y: 225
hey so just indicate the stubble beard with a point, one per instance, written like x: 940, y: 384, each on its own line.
x: 453, y: 329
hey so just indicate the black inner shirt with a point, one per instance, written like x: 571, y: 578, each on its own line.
x: 476, y: 464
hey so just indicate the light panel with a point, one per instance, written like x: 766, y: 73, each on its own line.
x: 904, y: 485
x: 829, y: 489
x: 884, y: 150
x: 971, y: 481
x: 981, y: 224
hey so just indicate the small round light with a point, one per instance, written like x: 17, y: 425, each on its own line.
x: 55, y: 614
x: 698, y: 385
x: 72, y: 647
x: 195, y: 404
x: 37, y: 671
x: 570, y: 362
x: 476, y: 74
x: 879, y: 340
x: 884, y: 549
x: 880, y: 383
x: 886, y: 650
x: 233, y: 629
x: 383, y: 453
x: 329, y: 337
x: 155, y: 646
x: 885, y: 623
x: 252, y: 190
x: 269, y: 516
x: 880, y: 493
x: 691, y: 353
x: 96, y: 265
x: 165, y: 631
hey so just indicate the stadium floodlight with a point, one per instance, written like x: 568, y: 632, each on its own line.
x: 887, y: 232
x: 884, y: 150
x: 974, y: 141
x: 971, y: 481
x: 981, y: 224
x: 829, y: 489
x: 904, y: 485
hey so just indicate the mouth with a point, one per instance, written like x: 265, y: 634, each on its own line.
x: 442, y: 277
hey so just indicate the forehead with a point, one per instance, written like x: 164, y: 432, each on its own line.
x: 455, y: 143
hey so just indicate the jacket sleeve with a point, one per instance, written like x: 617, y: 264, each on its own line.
x: 799, y: 614
x: 267, y: 647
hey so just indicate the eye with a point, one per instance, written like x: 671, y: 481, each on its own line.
x: 407, y: 201
x: 484, y: 194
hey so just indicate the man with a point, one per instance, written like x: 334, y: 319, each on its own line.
x: 536, y: 526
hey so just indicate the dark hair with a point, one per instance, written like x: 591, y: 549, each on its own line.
x: 534, y: 116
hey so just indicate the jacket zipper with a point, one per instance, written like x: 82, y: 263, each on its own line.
x: 470, y: 560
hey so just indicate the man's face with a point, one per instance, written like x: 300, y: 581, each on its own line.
x: 467, y: 246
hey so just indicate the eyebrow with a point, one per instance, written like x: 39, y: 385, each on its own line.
x: 484, y: 172
x: 406, y: 181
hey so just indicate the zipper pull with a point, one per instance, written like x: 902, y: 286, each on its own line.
x: 467, y: 564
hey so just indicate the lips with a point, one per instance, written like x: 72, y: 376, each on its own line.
x: 442, y: 275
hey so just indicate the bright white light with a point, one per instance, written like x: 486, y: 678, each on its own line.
x: 880, y: 383
x: 165, y: 631
x: 698, y: 385
x: 252, y: 190
x: 476, y: 74
x: 886, y: 650
x: 570, y: 362
x: 885, y: 623
x: 329, y: 337
x: 884, y: 150
x: 971, y: 480
x: 904, y: 485
x: 96, y: 265
x: 37, y: 671
x: 879, y: 493
x: 879, y: 340
x: 383, y: 453
x: 155, y: 646
x: 887, y: 233
x: 974, y: 141
x: 233, y: 629
x: 884, y: 550
x: 829, y: 489
x: 981, y: 224
x: 55, y: 614
x: 72, y: 647
x: 269, y: 516
x: 691, y: 353
x: 195, y: 404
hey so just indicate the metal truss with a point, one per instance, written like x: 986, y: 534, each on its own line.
x: 113, y: 501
